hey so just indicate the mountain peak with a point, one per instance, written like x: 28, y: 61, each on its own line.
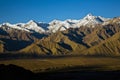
x: 6, y: 23
x: 31, y: 21
x: 55, y: 21
x: 89, y: 16
x: 55, y: 25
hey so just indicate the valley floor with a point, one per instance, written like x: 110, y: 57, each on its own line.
x: 44, y: 64
x: 70, y: 68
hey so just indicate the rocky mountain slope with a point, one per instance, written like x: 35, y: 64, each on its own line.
x: 109, y: 47
x: 15, y: 39
x: 92, y: 35
x: 81, y: 40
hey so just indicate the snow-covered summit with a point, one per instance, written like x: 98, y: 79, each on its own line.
x: 57, y: 25
x: 89, y: 20
x: 30, y: 26
x: 33, y: 26
x: 8, y: 26
x: 89, y: 17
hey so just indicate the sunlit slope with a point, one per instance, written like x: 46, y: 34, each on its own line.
x: 1, y: 47
x: 109, y: 47
x: 55, y: 44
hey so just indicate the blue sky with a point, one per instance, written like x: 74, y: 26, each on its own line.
x: 15, y: 11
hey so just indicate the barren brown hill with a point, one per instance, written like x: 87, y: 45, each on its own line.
x: 100, y: 39
x: 55, y: 44
x: 79, y: 41
x: 17, y: 39
x: 109, y: 47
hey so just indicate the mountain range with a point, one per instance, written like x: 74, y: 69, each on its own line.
x: 55, y: 25
x: 92, y: 35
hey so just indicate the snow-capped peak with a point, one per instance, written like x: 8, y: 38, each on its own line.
x: 30, y: 26
x: 7, y: 24
x: 13, y: 26
x: 90, y: 14
x: 89, y: 17
x: 90, y: 20
x: 33, y: 26
x: 31, y: 22
x: 55, y: 22
x: 57, y: 25
x: 71, y: 21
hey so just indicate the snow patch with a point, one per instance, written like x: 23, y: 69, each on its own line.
x: 57, y: 25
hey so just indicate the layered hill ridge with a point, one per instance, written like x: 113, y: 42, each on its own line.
x: 92, y: 35
x: 15, y: 39
x: 108, y: 47
x: 56, y: 44
x: 83, y: 41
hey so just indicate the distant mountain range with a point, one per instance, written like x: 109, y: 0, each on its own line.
x: 56, y: 25
x: 92, y: 35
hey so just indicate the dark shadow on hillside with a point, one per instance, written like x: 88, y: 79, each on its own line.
x: 13, y: 72
x: 14, y: 45
x: 2, y: 32
x: 74, y: 36
x: 64, y: 45
x: 39, y: 36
